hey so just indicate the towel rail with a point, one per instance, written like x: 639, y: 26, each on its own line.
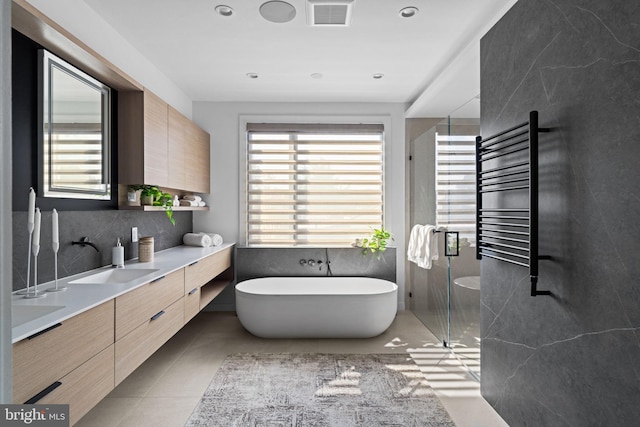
x: 508, y: 181
x: 515, y: 165
x: 507, y: 174
x: 496, y: 223
x: 506, y: 239
x: 509, y: 140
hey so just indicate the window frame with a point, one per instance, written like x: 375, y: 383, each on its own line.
x: 245, y: 120
x: 468, y: 142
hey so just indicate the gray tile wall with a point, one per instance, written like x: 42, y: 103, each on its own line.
x: 570, y: 359
x: 102, y: 228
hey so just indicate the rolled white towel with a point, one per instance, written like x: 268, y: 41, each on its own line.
x: 216, y: 239
x: 184, y: 202
x: 195, y: 239
x: 202, y: 203
x: 193, y: 198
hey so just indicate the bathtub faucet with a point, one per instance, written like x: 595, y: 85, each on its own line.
x: 311, y: 262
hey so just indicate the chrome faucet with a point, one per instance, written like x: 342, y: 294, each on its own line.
x: 84, y: 241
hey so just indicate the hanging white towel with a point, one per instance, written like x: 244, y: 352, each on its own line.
x: 412, y: 247
x: 423, y: 245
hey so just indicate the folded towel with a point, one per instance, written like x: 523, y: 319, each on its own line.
x: 202, y: 203
x: 216, y: 239
x: 193, y: 198
x: 194, y: 239
x: 184, y: 202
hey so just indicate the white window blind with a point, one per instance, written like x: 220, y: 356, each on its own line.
x: 456, y: 184
x: 77, y: 158
x: 313, y: 184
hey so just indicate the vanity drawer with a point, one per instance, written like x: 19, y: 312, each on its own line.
x: 85, y: 386
x: 137, y: 306
x: 46, y: 357
x: 144, y: 340
x: 191, y: 304
x: 201, y: 272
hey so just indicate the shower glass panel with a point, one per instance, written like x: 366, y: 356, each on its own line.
x: 446, y: 297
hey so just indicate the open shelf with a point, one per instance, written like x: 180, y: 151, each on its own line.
x: 211, y: 290
x: 160, y: 208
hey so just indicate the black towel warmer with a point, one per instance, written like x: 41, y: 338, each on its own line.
x: 505, y: 233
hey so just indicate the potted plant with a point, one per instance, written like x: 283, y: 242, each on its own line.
x: 152, y: 195
x: 377, y: 242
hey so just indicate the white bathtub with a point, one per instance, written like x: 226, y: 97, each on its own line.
x: 316, y: 307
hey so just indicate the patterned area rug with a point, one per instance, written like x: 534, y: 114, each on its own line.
x: 327, y: 390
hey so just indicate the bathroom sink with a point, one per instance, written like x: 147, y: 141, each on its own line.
x: 115, y: 276
x: 25, y: 313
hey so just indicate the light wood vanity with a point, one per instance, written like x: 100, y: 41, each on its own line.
x: 78, y: 361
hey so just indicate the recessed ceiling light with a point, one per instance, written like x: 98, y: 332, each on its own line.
x: 277, y: 11
x: 316, y: 75
x: 252, y: 75
x: 408, y: 12
x: 224, y: 10
x: 378, y: 76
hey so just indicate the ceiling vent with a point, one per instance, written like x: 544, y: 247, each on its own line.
x: 329, y: 12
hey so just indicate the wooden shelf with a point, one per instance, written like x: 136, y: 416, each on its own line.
x: 211, y: 290
x: 160, y: 208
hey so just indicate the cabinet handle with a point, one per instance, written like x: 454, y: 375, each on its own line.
x: 158, y: 314
x: 44, y: 331
x: 157, y: 280
x: 43, y: 393
x: 193, y: 263
x: 193, y: 291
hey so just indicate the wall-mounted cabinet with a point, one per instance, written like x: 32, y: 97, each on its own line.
x: 81, y: 359
x: 159, y: 146
x: 71, y: 362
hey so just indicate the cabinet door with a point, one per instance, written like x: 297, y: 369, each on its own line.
x: 201, y: 272
x: 191, y: 304
x: 177, y: 149
x: 198, y: 160
x: 155, y: 140
x: 139, y: 305
x: 143, y: 341
x: 43, y: 359
x: 85, y: 386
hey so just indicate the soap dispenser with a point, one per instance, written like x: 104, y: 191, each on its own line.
x: 117, y: 255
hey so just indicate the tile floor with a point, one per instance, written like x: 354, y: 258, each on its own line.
x: 165, y: 389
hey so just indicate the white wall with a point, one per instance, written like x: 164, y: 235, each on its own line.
x: 222, y: 120
x: 6, y: 258
x: 79, y: 19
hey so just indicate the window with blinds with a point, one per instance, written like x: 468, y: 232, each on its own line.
x: 313, y: 184
x: 456, y: 184
x: 77, y: 155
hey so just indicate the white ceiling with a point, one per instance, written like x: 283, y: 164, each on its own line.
x: 430, y: 61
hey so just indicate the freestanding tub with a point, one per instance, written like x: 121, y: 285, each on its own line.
x: 316, y: 307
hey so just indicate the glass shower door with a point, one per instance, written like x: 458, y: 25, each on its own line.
x: 446, y: 297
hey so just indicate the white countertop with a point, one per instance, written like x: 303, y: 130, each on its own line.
x: 82, y: 297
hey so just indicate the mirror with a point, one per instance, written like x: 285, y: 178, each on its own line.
x: 75, y: 138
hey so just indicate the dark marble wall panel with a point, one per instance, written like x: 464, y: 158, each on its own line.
x: 102, y: 228
x: 571, y: 358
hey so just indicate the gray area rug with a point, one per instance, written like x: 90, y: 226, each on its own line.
x: 319, y: 390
